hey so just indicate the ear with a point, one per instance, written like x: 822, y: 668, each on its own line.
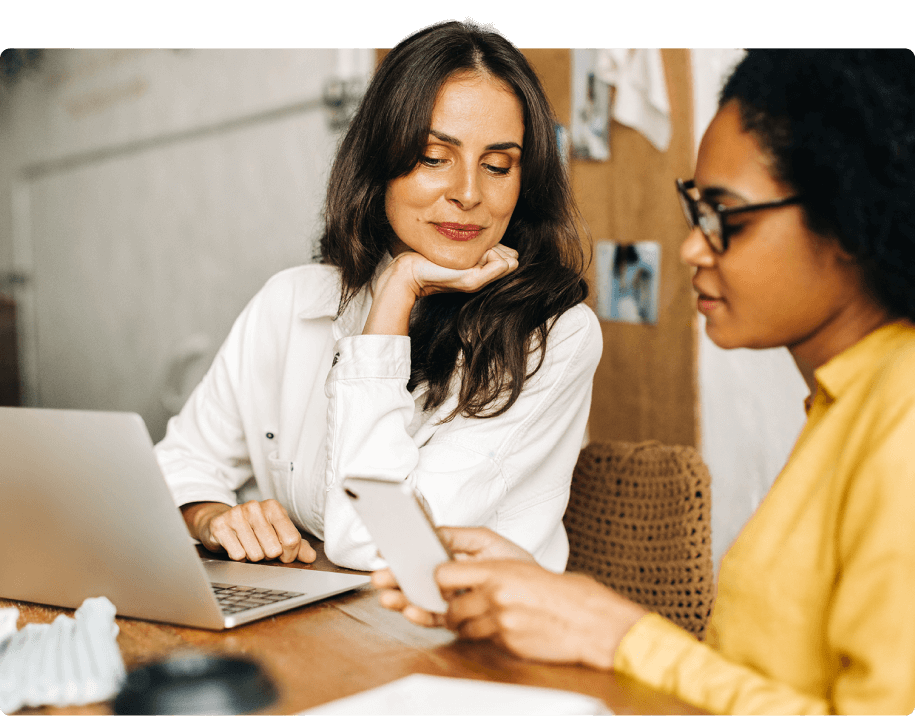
x: 832, y: 245
x: 842, y: 254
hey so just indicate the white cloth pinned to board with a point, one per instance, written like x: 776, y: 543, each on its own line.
x: 641, y: 98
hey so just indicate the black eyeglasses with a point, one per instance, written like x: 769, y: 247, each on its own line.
x: 711, y: 217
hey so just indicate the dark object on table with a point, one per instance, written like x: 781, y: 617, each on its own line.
x: 196, y: 684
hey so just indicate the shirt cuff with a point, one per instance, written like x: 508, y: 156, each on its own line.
x: 650, y: 647
x: 371, y: 356
x: 192, y: 489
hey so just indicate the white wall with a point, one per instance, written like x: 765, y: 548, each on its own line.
x: 147, y: 195
x: 751, y: 402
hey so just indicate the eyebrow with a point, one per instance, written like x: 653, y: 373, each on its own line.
x: 718, y: 192
x: 448, y: 139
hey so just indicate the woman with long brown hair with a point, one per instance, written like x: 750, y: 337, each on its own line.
x: 441, y: 339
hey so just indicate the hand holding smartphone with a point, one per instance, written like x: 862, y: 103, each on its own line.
x: 405, y: 536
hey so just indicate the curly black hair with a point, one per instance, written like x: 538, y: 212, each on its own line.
x: 838, y: 125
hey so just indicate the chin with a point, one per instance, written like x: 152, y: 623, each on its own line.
x: 458, y: 260
x: 456, y: 264
x: 727, y: 341
x: 722, y: 339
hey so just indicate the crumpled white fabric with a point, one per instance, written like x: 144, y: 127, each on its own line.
x: 70, y: 662
x: 641, y: 98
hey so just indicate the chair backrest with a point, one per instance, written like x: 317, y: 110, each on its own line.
x: 638, y: 521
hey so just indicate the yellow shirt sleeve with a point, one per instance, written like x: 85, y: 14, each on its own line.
x: 670, y: 659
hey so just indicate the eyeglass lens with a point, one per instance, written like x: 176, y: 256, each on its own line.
x: 699, y: 213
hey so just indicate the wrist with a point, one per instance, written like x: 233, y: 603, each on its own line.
x: 615, y: 617
x: 197, y: 516
x: 392, y: 301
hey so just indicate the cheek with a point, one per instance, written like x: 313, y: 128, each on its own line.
x: 503, y: 201
x: 408, y: 192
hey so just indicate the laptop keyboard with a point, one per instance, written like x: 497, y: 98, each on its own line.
x: 234, y: 598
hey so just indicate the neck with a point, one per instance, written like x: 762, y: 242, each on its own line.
x: 811, y: 354
x: 807, y: 372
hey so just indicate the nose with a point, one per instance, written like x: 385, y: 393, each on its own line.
x: 464, y: 190
x: 695, y: 250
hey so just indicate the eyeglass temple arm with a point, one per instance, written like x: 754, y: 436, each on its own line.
x: 726, y: 210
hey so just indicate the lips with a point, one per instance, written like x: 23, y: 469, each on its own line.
x: 459, y: 232
x: 705, y: 301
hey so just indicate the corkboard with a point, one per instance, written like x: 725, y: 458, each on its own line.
x: 645, y: 386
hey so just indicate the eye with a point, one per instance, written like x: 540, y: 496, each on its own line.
x: 430, y: 161
x: 499, y: 171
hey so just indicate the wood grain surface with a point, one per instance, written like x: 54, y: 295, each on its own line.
x: 346, y: 644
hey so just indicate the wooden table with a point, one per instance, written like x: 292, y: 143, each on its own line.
x: 346, y: 644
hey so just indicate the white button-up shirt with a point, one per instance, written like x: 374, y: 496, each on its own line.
x: 301, y: 401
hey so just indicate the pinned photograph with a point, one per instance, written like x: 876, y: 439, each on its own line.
x: 627, y: 281
x: 590, y: 108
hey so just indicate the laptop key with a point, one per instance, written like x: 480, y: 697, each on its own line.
x: 234, y: 598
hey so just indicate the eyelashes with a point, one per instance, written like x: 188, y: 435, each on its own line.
x: 435, y: 162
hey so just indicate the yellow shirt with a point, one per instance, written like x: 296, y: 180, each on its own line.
x: 814, y: 611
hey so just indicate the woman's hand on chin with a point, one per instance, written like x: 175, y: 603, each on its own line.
x: 426, y: 277
x: 411, y: 275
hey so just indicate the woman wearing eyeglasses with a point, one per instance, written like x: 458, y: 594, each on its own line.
x: 802, y: 235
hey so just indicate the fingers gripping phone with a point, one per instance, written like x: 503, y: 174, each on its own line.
x: 404, y: 534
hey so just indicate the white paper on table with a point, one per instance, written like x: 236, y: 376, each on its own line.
x: 424, y: 694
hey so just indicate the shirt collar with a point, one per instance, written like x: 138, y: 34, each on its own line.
x: 326, y: 299
x: 841, y: 371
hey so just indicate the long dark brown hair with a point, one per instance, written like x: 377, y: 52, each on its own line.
x: 490, y: 336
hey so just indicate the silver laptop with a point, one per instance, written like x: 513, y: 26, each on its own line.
x: 85, y: 512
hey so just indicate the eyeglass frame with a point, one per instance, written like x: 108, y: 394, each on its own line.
x: 691, y: 214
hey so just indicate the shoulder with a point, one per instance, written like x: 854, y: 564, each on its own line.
x: 576, y: 319
x: 878, y: 448
x: 578, y: 322
x: 576, y: 332
x: 891, y: 388
x: 878, y: 442
x: 900, y: 363
x: 307, y: 291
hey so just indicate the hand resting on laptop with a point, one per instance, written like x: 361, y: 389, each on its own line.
x: 251, y: 531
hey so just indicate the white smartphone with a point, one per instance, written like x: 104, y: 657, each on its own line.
x: 404, y: 534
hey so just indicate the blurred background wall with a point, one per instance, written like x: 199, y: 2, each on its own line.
x: 146, y: 195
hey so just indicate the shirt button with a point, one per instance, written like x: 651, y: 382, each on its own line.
x: 270, y: 436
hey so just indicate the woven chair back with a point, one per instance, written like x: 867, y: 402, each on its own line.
x: 638, y: 522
